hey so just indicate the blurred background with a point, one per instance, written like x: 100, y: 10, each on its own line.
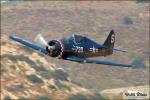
x: 57, y: 19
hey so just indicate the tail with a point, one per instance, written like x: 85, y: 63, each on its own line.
x: 109, y: 43
x: 110, y: 40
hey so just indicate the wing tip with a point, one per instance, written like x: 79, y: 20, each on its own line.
x: 12, y: 37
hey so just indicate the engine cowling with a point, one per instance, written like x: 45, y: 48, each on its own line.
x: 54, y: 48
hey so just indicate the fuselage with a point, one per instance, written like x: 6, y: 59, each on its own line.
x: 82, y: 47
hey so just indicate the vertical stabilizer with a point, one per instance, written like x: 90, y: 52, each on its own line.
x: 110, y: 39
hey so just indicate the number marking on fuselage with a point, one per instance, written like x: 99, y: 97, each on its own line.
x: 78, y: 49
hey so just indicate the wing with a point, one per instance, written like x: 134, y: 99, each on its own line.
x: 77, y: 59
x: 29, y: 44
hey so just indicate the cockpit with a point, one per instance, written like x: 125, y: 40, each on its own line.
x: 78, y: 39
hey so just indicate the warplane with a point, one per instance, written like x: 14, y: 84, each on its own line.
x: 76, y: 48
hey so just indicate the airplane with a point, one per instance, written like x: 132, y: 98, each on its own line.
x: 76, y: 48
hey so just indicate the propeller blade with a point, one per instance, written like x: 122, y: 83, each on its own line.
x: 39, y: 39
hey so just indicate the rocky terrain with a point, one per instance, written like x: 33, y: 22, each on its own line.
x: 29, y: 74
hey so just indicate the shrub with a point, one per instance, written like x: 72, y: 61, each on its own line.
x: 27, y: 49
x: 13, y: 67
x: 26, y: 59
x: 77, y: 83
x: 17, y: 57
x: 7, y: 98
x: 30, y: 50
x: 52, y: 86
x: 127, y: 21
x: 15, y: 88
x: 40, y: 68
x: 97, y: 96
x: 22, y: 98
x: 3, y: 42
x: 142, y: 1
x: 61, y: 86
x: 78, y: 97
x: 58, y: 75
x: 86, y: 97
x: 2, y: 69
x: 46, y: 75
x: 44, y: 98
x: 34, y: 79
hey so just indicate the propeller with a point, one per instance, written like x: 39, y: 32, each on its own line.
x: 39, y: 39
x: 53, y: 47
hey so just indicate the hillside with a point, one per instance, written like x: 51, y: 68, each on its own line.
x: 29, y: 75
x: 58, y: 19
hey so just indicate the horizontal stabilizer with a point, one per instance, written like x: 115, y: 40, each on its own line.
x: 120, y: 50
x: 103, y: 46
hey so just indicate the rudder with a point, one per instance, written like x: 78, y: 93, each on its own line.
x: 110, y: 39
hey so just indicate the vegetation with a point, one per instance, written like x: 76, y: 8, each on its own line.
x: 78, y: 97
x: 44, y: 98
x: 52, y: 86
x: 127, y: 21
x: 3, y: 42
x: 13, y: 67
x: 58, y: 75
x: 2, y: 69
x: 21, y: 57
x: 77, y: 83
x: 7, y: 98
x: 30, y: 50
x: 34, y: 79
x: 27, y: 49
x: 61, y: 86
x: 16, y: 88
x: 142, y: 1
x: 85, y: 97
x: 22, y: 98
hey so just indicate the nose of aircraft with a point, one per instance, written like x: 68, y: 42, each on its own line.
x: 54, y: 48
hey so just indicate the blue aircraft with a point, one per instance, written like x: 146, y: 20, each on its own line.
x: 76, y: 48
